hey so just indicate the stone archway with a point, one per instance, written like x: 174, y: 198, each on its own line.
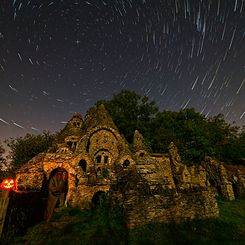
x: 98, y: 198
x: 57, y: 191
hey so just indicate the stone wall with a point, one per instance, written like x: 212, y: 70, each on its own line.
x: 156, y: 170
x: 142, y: 205
x: 236, y: 176
x: 85, y: 193
x: 151, y: 187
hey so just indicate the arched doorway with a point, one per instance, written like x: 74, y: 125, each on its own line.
x: 98, y: 198
x: 57, y: 191
x: 215, y: 186
x: 83, y: 165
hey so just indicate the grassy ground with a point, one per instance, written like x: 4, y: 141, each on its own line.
x: 228, y: 229
x: 104, y: 225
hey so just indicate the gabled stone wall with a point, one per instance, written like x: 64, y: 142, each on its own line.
x: 151, y: 187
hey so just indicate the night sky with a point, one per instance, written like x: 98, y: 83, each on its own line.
x: 59, y: 57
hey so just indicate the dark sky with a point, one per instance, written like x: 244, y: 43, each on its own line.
x: 58, y: 57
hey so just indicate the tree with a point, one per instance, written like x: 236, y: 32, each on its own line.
x: 5, y: 171
x: 162, y: 131
x: 228, y: 142
x: 22, y: 149
x: 2, y: 162
x: 2, y: 158
x: 194, y: 135
x: 187, y: 128
x: 130, y: 111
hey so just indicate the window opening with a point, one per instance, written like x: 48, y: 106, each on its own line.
x: 106, y: 158
x: 83, y: 165
x: 98, y: 170
x: 98, y: 159
x: 126, y: 163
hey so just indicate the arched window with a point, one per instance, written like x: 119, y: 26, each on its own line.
x: 98, y: 159
x: 83, y: 165
x: 126, y: 163
x: 76, y: 124
x: 106, y: 158
x: 102, y: 157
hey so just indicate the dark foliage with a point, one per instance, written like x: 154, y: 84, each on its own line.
x: 5, y: 171
x: 103, y: 224
x: 25, y: 209
x: 195, y: 135
x: 131, y: 111
x: 22, y: 149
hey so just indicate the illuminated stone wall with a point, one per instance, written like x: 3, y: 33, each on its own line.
x: 151, y: 187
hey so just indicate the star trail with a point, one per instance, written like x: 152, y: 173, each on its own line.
x: 58, y: 57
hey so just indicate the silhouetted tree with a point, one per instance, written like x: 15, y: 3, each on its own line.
x: 5, y: 171
x: 2, y: 158
x: 195, y: 135
x: 227, y: 139
x: 22, y: 149
x: 131, y: 111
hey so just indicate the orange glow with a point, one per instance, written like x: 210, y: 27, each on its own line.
x: 8, y: 184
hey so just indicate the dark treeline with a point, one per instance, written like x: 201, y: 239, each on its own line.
x: 22, y: 149
x: 195, y: 135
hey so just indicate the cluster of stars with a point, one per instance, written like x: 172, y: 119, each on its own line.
x: 57, y: 57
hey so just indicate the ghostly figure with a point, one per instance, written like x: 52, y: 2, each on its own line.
x: 57, y: 189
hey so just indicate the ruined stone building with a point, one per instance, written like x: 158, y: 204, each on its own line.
x: 150, y: 187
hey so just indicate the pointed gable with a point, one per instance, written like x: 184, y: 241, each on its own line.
x: 74, y: 128
x: 138, y: 142
x: 98, y: 116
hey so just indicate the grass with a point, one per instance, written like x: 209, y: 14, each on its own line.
x: 229, y: 228
x: 104, y: 225
x: 101, y: 225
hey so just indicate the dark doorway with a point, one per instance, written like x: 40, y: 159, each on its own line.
x: 98, y: 198
x: 57, y: 191
x: 58, y: 185
x: 126, y: 163
x: 83, y: 165
x: 235, y: 190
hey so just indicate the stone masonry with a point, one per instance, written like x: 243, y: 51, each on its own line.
x: 151, y: 187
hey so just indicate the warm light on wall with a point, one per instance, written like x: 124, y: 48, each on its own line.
x: 8, y: 184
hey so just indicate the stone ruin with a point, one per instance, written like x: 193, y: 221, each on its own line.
x: 151, y: 187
